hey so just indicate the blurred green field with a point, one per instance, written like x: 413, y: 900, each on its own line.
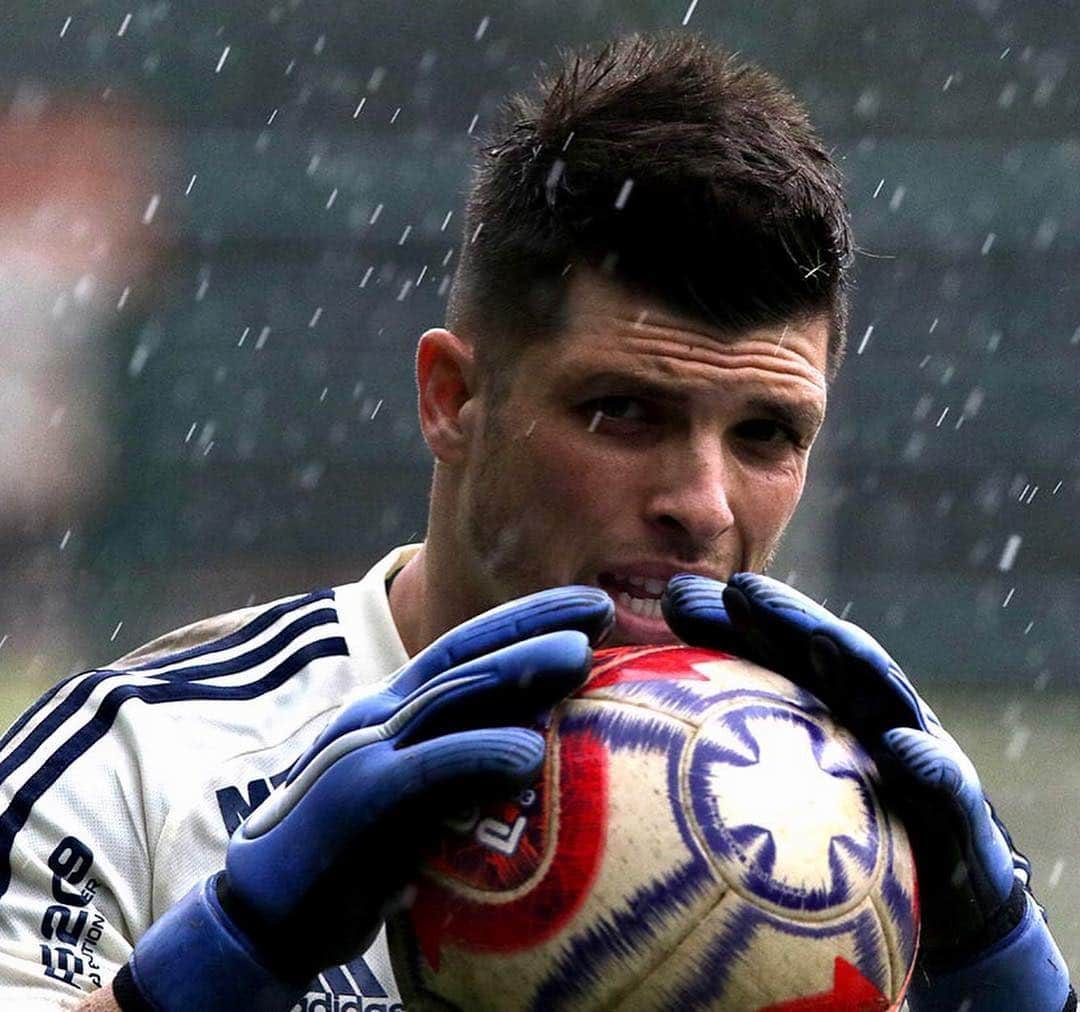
x: 1025, y: 747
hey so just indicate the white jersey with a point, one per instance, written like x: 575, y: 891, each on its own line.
x: 119, y: 789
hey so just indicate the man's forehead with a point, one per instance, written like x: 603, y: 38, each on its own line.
x: 616, y: 319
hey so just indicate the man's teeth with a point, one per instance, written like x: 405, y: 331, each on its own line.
x: 644, y: 606
x: 652, y: 587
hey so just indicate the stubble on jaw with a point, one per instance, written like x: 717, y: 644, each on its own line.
x: 496, y: 533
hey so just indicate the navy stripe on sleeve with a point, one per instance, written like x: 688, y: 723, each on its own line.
x: 247, y: 632
x: 242, y: 635
x: 18, y: 811
x: 234, y: 665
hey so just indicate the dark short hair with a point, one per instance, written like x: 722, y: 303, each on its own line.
x: 682, y: 171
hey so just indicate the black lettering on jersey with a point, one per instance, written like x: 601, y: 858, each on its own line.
x: 59, y: 923
x: 61, y: 964
x: 70, y: 862
x: 234, y: 807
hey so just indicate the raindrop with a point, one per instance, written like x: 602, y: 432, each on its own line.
x: 151, y: 209
x: 1008, y: 554
x: 1018, y: 742
x: 1055, y: 873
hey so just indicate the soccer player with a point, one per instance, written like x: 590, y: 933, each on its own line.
x: 648, y: 309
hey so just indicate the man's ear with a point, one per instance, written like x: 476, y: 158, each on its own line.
x: 446, y: 381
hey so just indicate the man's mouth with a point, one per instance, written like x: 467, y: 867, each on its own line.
x: 637, y: 594
x: 638, y: 617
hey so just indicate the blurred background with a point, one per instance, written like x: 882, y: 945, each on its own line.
x: 224, y: 226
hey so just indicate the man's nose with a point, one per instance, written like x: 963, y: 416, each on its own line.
x: 690, y: 492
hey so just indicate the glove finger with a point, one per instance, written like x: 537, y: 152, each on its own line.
x: 927, y: 765
x: 437, y: 776
x: 356, y: 766
x: 515, y: 685
x: 774, y: 620
x: 867, y: 693
x: 845, y: 667
x: 586, y: 609
x: 948, y: 815
x: 693, y: 607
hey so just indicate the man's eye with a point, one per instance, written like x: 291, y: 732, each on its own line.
x: 765, y: 430
x: 615, y: 409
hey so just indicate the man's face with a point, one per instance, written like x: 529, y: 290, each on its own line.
x: 637, y: 445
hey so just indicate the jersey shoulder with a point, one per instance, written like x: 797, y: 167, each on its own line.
x: 194, y: 634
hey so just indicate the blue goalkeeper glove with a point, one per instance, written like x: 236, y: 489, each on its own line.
x: 311, y: 874
x: 984, y: 942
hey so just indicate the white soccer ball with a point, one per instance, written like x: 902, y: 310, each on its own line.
x: 704, y: 837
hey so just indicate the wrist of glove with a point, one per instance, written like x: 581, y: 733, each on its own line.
x: 1021, y: 970
x: 311, y: 874
x: 196, y: 956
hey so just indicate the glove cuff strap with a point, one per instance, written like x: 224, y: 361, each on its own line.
x: 195, y: 958
x: 1022, y: 972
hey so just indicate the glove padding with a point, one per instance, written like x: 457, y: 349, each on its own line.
x: 310, y: 875
x: 971, y: 878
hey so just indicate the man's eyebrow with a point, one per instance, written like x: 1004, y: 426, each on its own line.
x: 803, y: 416
x: 627, y: 382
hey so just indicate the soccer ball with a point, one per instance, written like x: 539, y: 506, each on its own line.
x: 703, y: 837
